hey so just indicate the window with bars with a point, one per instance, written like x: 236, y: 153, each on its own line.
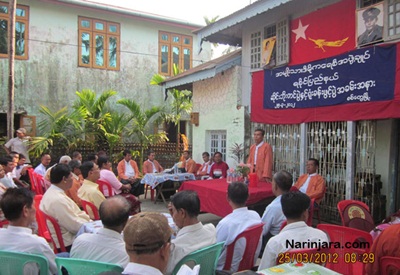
x: 217, y: 142
x: 99, y: 43
x: 255, y: 50
x: 393, y: 16
x: 21, y: 31
x: 174, y: 49
x: 280, y: 54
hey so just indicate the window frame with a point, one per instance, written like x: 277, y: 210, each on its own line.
x: 222, y: 138
x: 107, y: 34
x: 170, y: 43
x: 281, y: 49
x: 18, y: 19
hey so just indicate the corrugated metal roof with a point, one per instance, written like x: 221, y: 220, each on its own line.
x: 206, y: 70
x: 129, y: 12
x: 232, y: 21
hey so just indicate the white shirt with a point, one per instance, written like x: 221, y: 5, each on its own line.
x: 256, y: 152
x: 19, y: 145
x: 190, y: 238
x: 304, y: 187
x: 17, y: 171
x: 129, y: 171
x: 140, y: 269
x: 229, y: 228
x: 40, y: 169
x: 21, y: 239
x: 297, y: 232
x: 273, y: 217
x: 154, y: 167
x: 8, y: 181
x: 105, y: 245
x: 58, y: 205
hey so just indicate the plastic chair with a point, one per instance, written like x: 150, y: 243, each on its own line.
x: 14, y: 263
x: 355, y: 214
x: 207, y: 257
x: 3, y: 223
x: 151, y: 192
x: 39, y: 184
x: 308, y: 251
x: 311, y: 212
x: 105, y: 188
x: 90, y: 209
x: 389, y: 265
x: 252, y: 236
x: 78, y: 266
x: 32, y: 179
x: 346, y: 235
x: 48, y: 219
x: 43, y: 231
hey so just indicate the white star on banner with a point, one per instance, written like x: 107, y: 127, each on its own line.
x: 300, y: 31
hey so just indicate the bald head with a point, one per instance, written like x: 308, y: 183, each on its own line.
x: 114, y: 213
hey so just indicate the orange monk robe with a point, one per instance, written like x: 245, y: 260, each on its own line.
x: 265, y: 160
x: 316, y: 186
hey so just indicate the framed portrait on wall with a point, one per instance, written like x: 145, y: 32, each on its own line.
x: 267, y: 50
x: 370, y: 24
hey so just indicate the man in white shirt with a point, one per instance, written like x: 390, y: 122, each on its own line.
x: 89, y: 191
x: 19, y: 210
x: 58, y: 205
x: 44, y: 163
x: 8, y: 166
x: 106, y: 245
x: 128, y: 173
x: 18, y: 144
x: 312, y: 183
x: 273, y: 215
x: 147, y: 239
x: 192, y: 235
x: 295, y: 207
x: 235, y: 223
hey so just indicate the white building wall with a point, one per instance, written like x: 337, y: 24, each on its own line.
x: 51, y: 75
x: 216, y: 100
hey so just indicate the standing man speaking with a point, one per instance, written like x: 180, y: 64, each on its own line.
x: 261, y: 157
x: 18, y: 144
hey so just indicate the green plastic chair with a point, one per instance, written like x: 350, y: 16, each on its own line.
x: 79, y: 266
x: 14, y: 263
x: 207, y: 257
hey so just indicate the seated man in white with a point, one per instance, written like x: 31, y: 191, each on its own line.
x: 235, y: 223
x: 106, y: 245
x: 44, y: 163
x: 58, y: 205
x: 147, y: 239
x: 19, y: 209
x: 295, y: 207
x: 192, y: 234
x: 89, y: 191
x: 273, y: 216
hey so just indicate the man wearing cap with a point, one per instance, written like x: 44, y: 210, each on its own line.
x: 192, y: 234
x: 373, y: 32
x: 106, y: 244
x: 18, y: 144
x: 147, y: 239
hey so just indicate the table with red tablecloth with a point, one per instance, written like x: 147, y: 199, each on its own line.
x: 212, y: 194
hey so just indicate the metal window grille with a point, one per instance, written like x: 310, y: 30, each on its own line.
x: 255, y: 50
x: 218, y: 142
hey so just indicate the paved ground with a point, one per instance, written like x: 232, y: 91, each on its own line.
x: 149, y: 206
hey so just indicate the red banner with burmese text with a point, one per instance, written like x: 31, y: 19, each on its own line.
x: 324, y: 33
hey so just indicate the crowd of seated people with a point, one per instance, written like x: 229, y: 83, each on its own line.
x: 143, y: 243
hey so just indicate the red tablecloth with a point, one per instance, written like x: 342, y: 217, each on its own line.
x: 212, y: 194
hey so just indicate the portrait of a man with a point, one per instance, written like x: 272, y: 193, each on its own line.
x: 370, y: 24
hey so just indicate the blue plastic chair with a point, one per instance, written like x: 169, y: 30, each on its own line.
x: 17, y: 263
x: 79, y: 266
x: 207, y: 257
